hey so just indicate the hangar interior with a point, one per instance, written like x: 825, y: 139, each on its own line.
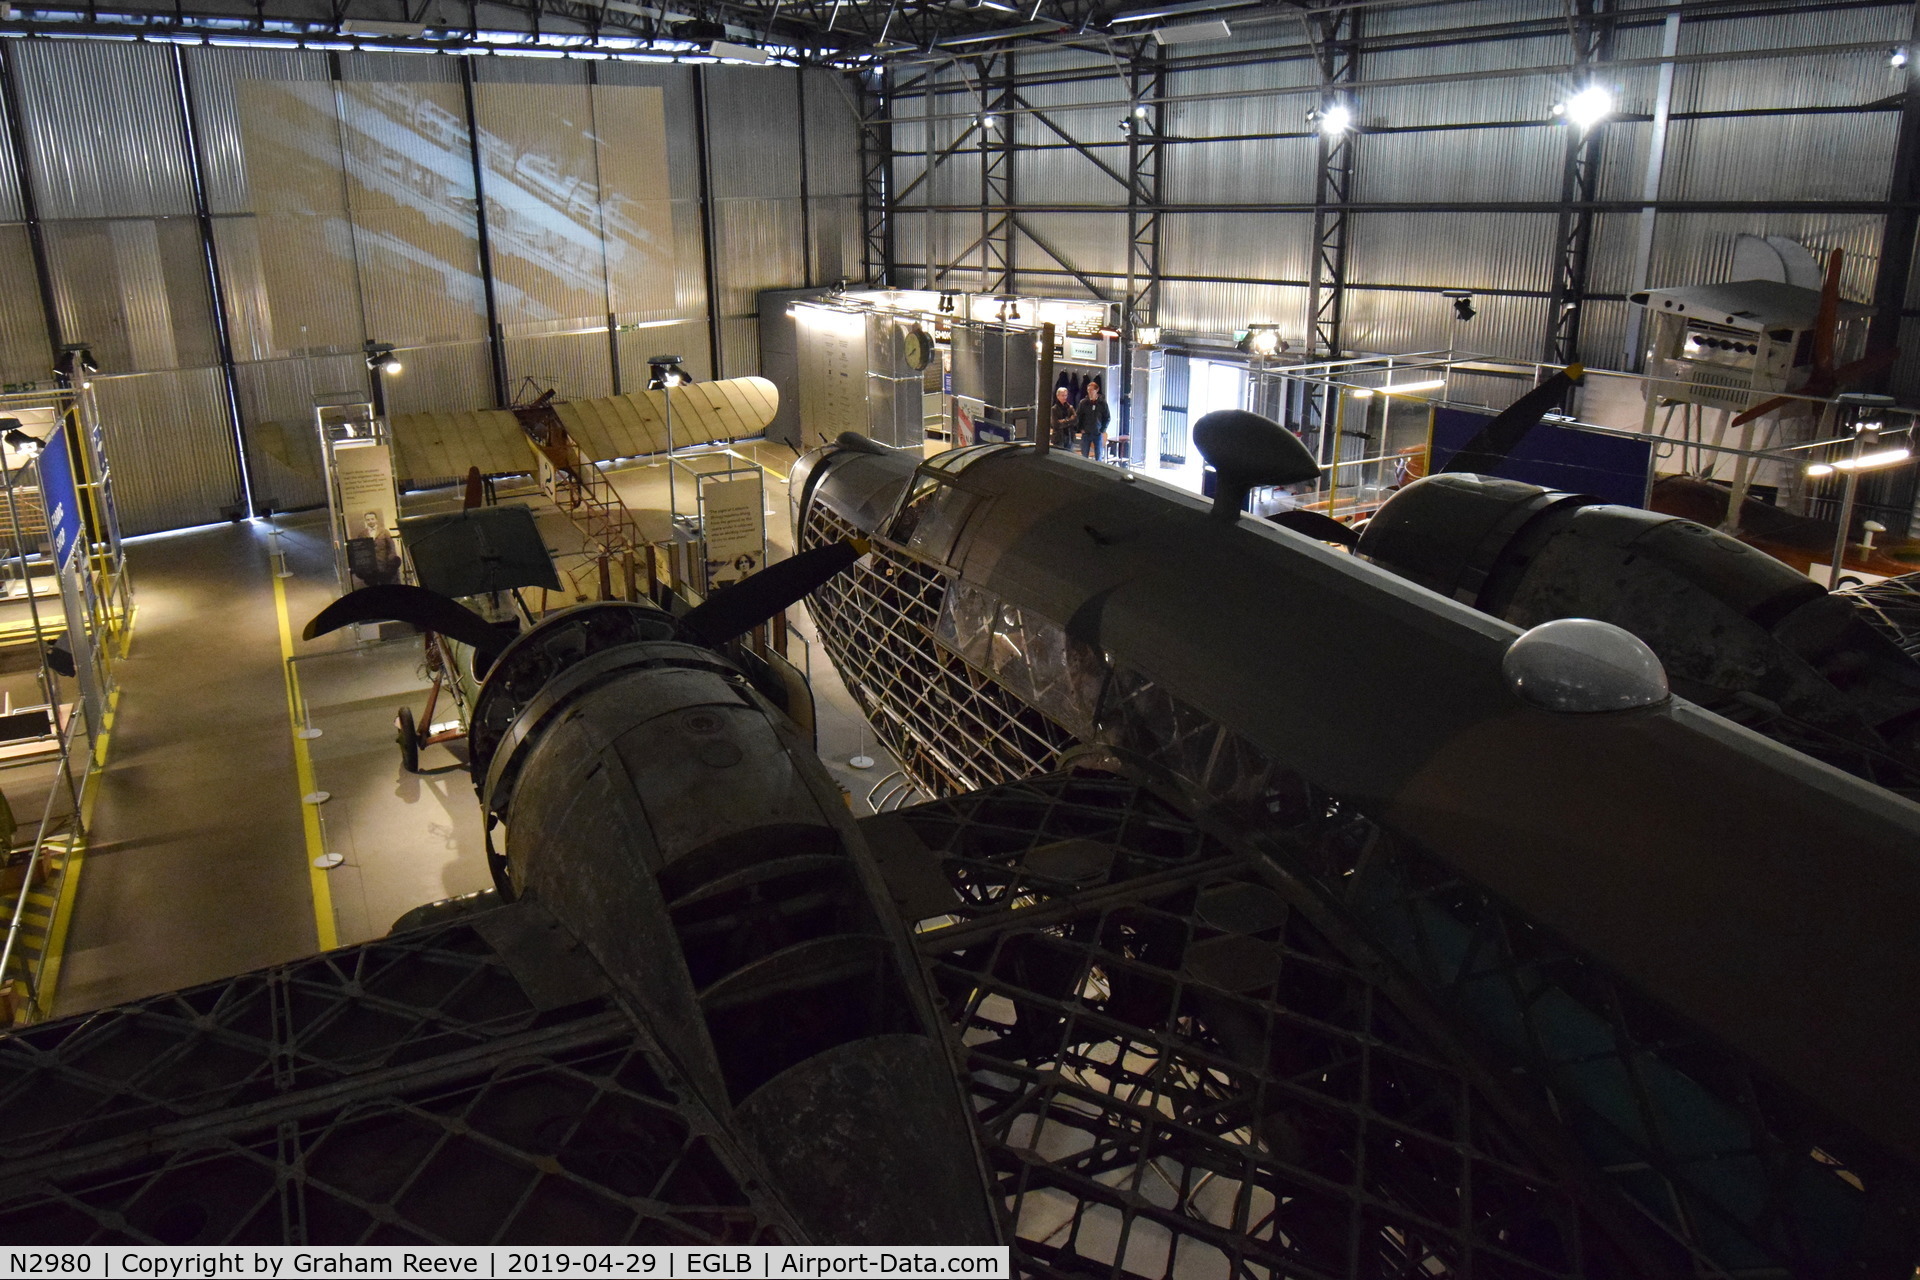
x: 582, y: 660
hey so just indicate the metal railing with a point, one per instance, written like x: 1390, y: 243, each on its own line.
x: 73, y: 825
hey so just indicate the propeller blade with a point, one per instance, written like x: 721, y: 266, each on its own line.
x: 1762, y: 409
x: 1866, y: 366
x: 745, y: 605
x: 476, y: 490
x: 1316, y: 525
x: 428, y: 610
x: 1492, y: 444
x: 1826, y: 324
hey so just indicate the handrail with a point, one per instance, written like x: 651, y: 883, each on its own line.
x: 33, y: 859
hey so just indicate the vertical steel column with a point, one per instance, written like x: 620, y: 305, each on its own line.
x: 702, y: 130
x: 996, y: 175
x: 600, y: 223
x: 496, y: 344
x: 1635, y: 346
x: 1337, y: 46
x: 1146, y: 88
x: 1147, y: 77
x: 29, y: 206
x: 1590, y: 25
x: 876, y: 177
x: 1903, y: 218
x: 223, y: 340
x: 806, y: 203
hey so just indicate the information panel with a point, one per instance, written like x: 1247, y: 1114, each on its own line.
x: 62, y: 497
x: 730, y: 518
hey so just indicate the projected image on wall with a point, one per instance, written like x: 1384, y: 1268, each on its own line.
x: 365, y: 195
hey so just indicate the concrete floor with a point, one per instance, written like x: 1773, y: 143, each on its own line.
x: 195, y: 868
x: 199, y: 860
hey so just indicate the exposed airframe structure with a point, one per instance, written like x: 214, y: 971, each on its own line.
x: 1658, y: 920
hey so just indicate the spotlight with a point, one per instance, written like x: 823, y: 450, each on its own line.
x: 20, y: 440
x: 989, y: 122
x: 1263, y: 340
x: 74, y: 361
x: 380, y: 358
x: 1334, y: 119
x: 1140, y: 110
x: 1898, y: 58
x: 666, y: 372
x: 1462, y: 303
x: 1586, y: 108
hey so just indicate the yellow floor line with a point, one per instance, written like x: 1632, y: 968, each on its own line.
x: 303, y: 768
x: 76, y: 858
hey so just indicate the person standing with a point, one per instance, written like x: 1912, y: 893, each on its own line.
x: 1092, y: 419
x: 1066, y: 415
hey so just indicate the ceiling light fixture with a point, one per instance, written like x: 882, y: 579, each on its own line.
x: 738, y: 52
x: 1865, y: 462
x: 1187, y: 31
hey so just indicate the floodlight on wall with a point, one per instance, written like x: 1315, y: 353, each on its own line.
x: 1333, y: 119
x: 1586, y: 108
x: 989, y: 122
x: 1140, y: 111
x: 380, y: 358
x: 1462, y: 301
x: 666, y: 372
x: 74, y: 362
x: 1897, y: 58
x: 1263, y: 340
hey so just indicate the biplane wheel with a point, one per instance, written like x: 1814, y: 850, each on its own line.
x: 409, y: 741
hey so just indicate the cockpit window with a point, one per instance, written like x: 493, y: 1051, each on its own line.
x: 932, y: 515
x: 954, y: 461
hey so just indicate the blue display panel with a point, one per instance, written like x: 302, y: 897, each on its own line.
x: 62, y: 497
x: 1611, y: 468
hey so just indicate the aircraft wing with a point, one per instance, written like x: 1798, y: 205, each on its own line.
x: 437, y: 444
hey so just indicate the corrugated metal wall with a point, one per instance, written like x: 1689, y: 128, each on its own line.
x: 341, y: 200
x: 1456, y: 108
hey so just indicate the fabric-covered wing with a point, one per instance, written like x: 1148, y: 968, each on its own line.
x: 438, y: 445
